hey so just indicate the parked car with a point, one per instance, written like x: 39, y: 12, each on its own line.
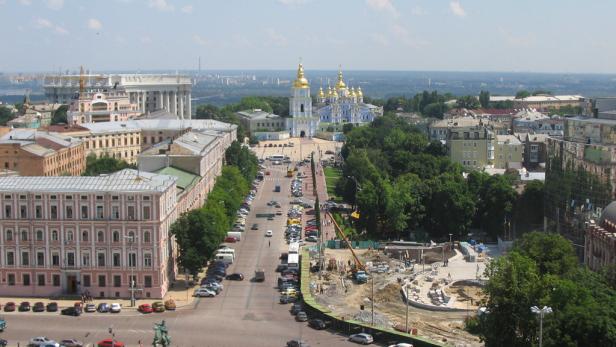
x: 71, y: 343
x: 52, y: 307
x: 301, y: 316
x: 296, y: 308
x: 317, y: 324
x: 269, y: 233
x: 212, y: 288
x: 312, y: 239
x: 402, y: 344
x: 115, y: 308
x: 90, y: 308
x: 24, y: 306
x: 110, y: 343
x: 170, y: 305
x: 297, y: 343
x: 38, y: 307
x: 236, y: 277
x: 287, y: 299
x: 230, y: 239
x: 42, y: 341
x: 158, y: 306
x: 103, y: 307
x: 363, y: 338
x: 145, y: 308
x: 9, y: 307
x: 202, y: 292
x: 71, y: 311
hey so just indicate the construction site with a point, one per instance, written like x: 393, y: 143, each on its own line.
x: 443, y: 284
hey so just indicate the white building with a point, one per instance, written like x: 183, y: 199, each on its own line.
x: 150, y: 92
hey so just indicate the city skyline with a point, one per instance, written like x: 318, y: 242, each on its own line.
x: 377, y: 35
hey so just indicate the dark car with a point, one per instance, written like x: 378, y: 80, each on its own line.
x: 281, y: 267
x: 103, y: 307
x: 286, y: 299
x: 301, y: 316
x: 317, y: 324
x: 24, y: 306
x: 255, y: 227
x: 3, y: 343
x: 296, y: 308
x: 9, y: 307
x: 215, y: 277
x: 297, y: 343
x: 235, y: 277
x: 52, y: 307
x: 38, y: 307
x: 158, y: 306
x: 71, y: 311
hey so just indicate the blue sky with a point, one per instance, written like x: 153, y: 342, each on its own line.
x: 452, y: 35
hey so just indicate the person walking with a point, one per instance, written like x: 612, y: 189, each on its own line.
x: 270, y: 243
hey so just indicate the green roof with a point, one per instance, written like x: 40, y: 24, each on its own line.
x: 185, y: 178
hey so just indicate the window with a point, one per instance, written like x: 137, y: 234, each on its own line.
x: 40, y: 280
x: 26, y: 279
x: 146, y: 198
x: 146, y: 237
x: 9, y: 235
x: 99, y: 197
x: 115, y: 197
x: 39, y: 235
x: 53, y: 212
x: 38, y: 211
x: 84, y: 197
x: 85, y: 259
x: 69, y: 236
x: 147, y: 281
x: 25, y: 259
x: 84, y: 235
x: 117, y: 281
x: 10, y: 258
x: 86, y: 281
x: 40, y: 258
x: 146, y: 212
x: 24, y: 235
x: 132, y: 259
x: 23, y: 212
x: 130, y: 215
x: 70, y: 259
x: 69, y: 212
x: 68, y: 197
x: 7, y: 211
x: 52, y: 197
x: 22, y: 197
x: 116, y: 259
x: 11, y: 279
x: 101, y: 259
x: 131, y: 236
x: 115, y: 212
x: 54, y: 235
x: 132, y: 281
x: 102, y: 281
x: 84, y: 212
x: 100, y: 236
x: 55, y: 259
x: 116, y: 236
x: 55, y: 279
x: 99, y: 212
x: 147, y: 260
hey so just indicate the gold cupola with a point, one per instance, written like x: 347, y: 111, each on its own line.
x: 300, y: 81
x: 359, y: 92
x: 352, y: 94
x: 340, y: 84
x: 321, y: 93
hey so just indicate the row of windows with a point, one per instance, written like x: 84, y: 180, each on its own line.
x: 41, y: 280
x: 70, y: 261
x: 70, y: 197
x: 130, y: 213
x: 39, y: 235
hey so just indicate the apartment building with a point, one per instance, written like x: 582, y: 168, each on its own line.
x: 65, y: 235
x: 36, y: 153
x: 600, y: 240
x: 102, y: 106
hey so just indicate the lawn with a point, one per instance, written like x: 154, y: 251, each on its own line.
x: 332, y: 175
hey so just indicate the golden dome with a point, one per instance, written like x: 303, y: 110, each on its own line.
x: 340, y: 84
x: 352, y: 92
x: 359, y: 92
x: 329, y: 91
x: 321, y: 94
x: 301, y: 81
x: 334, y: 94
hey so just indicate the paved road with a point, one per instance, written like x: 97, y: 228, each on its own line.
x: 245, y: 313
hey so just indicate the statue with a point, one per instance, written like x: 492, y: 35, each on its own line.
x: 160, y: 335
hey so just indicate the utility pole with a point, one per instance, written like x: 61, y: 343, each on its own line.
x: 406, y: 289
x: 372, y: 299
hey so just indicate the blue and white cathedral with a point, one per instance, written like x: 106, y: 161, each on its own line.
x: 340, y: 105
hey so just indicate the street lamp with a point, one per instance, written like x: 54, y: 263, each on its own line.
x: 132, y: 265
x: 541, y: 312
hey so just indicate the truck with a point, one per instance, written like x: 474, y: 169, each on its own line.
x: 277, y: 188
x: 360, y: 277
x: 260, y: 275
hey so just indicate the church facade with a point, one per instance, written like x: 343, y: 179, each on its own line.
x: 340, y: 105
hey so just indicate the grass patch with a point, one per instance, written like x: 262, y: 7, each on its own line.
x: 332, y: 175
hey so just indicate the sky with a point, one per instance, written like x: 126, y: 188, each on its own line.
x: 560, y: 36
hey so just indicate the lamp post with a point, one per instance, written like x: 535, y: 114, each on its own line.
x: 541, y: 312
x: 406, y: 289
x: 132, y: 265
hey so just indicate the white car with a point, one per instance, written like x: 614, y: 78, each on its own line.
x: 363, y: 338
x: 269, y: 233
x: 115, y: 308
x: 202, y: 292
x: 43, y: 341
x: 402, y: 344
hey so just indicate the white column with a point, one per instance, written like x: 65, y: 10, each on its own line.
x: 173, y: 108
x: 188, y: 99
x: 160, y: 100
x: 143, y: 102
x: 167, y: 107
x: 181, y: 105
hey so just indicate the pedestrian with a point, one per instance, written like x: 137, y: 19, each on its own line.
x: 270, y: 243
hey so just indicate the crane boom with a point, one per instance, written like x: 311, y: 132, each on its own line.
x: 358, y: 263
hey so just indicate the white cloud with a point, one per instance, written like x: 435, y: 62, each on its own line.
x: 161, y: 5
x: 201, y: 41
x: 292, y: 2
x: 456, y: 8
x: 383, y: 5
x: 379, y: 39
x: 418, y: 11
x: 94, y: 24
x: 275, y: 37
x: 404, y: 37
x: 25, y: 2
x: 187, y: 9
x: 55, y: 4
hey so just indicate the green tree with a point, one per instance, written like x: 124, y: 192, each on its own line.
x: 59, y: 115
x: 521, y: 94
x: 189, y: 234
x: 468, y: 101
x: 552, y: 253
x: 5, y: 115
x: 529, y: 208
x: 104, y: 165
x: 450, y: 206
x: 208, y: 112
x: 484, y: 98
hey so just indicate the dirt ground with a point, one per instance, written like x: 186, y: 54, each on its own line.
x: 343, y: 296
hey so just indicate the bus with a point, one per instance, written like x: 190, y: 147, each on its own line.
x: 276, y: 157
x: 294, y: 248
x: 293, y: 261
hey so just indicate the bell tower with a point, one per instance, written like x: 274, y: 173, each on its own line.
x: 300, y: 106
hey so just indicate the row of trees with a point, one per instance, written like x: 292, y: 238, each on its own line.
x: 199, y: 232
x: 104, y: 165
x: 407, y: 184
x: 543, y: 270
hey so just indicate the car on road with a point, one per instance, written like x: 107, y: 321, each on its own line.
x: 317, y: 324
x: 279, y: 213
x: 212, y: 288
x: 270, y: 218
x: 90, y: 308
x: 301, y: 316
x: 363, y: 338
x: 296, y: 308
x: 71, y: 343
x: 103, y: 307
x: 297, y: 343
x: 312, y: 239
x: 52, y: 307
x: 402, y: 344
x: 145, y: 308
x: 269, y: 233
x: 110, y: 343
x: 115, y: 308
x: 42, y: 341
x: 255, y: 226
x: 286, y: 299
x: 9, y: 307
x: 24, y: 306
x: 38, y: 307
x: 236, y: 277
x: 231, y: 239
x: 202, y: 292
x: 170, y: 305
x: 158, y: 306
x: 71, y: 311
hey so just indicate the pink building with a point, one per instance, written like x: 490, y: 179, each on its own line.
x: 66, y: 235
x: 95, y: 107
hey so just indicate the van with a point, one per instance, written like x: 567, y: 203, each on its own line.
x: 236, y: 234
x: 224, y: 257
x: 227, y: 250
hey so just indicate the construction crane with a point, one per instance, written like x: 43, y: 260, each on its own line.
x: 358, y: 263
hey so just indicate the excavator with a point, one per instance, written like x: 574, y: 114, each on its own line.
x: 358, y: 269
